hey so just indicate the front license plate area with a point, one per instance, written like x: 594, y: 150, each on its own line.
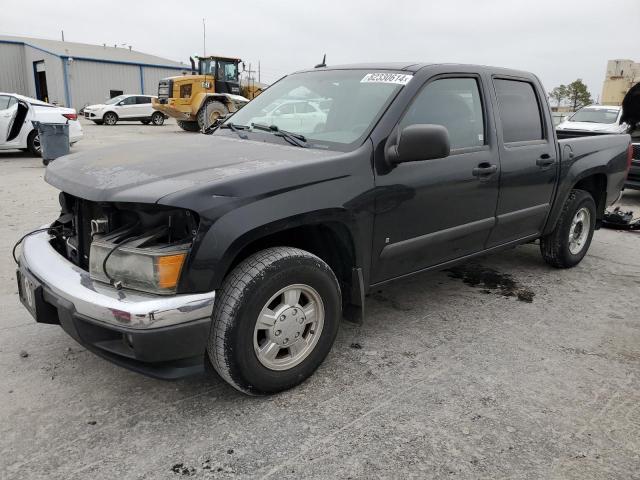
x: 28, y: 287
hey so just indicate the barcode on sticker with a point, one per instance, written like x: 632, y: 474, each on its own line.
x: 397, y: 78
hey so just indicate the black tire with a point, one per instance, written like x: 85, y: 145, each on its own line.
x: 157, y: 119
x: 188, y: 126
x: 555, y: 247
x: 110, y: 118
x: 210, y: 112
x: 97, y: 122
x: 244, y: 293
x: 33, y: 143
x: 145, y: 122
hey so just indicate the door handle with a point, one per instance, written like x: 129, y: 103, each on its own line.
x: 484, y: 169
x: 545, y: 160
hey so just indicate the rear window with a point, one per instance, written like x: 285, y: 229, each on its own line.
x: 519, y: 111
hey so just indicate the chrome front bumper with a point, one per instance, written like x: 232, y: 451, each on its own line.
x: 102, y: 302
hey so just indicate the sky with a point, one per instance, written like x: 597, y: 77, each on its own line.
x: 559, y: 40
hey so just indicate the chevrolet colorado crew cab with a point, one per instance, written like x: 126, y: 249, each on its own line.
x: 242, y: 250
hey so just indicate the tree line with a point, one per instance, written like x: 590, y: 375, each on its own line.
x: 575, y: 95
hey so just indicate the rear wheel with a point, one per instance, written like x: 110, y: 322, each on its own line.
x: 274, y: 320
x: 210, y: 112
x: 569, y: 241
x: 33, y: 143
x: 157, y: 119
x: 188, y: 126
x: 110, y: 118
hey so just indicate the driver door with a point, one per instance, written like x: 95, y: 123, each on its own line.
x: 126, y: 108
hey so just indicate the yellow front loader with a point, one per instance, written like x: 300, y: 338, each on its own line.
x: 212, y: 90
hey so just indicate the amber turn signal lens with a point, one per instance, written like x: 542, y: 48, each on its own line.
x: 169, y: 268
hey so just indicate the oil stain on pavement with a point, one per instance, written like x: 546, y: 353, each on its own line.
x: 491, y: 281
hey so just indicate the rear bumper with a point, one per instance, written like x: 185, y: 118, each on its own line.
x: 160, y: 336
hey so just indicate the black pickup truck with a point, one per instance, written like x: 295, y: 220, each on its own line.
x: 243, y: 249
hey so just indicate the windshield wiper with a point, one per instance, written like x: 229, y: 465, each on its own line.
x: 293, y: 138
x: 235, y: 128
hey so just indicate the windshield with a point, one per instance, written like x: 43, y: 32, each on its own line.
x: 329, y: 107
x: 596, y: 115
x: 114, y: 100
x: 227, y: 71
x: 207, y: 67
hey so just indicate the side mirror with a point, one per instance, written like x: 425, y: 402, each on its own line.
x: 420, y: 142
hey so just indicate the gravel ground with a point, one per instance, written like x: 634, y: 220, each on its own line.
x: 504, y: 368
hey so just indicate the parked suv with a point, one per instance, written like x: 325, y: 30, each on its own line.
x: 129, y: 108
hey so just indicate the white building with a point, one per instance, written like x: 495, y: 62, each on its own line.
x: 78, y: 74
x: 620, y: 77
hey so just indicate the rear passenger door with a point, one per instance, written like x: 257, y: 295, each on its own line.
x: 143, y: 106
x: 527, y: 158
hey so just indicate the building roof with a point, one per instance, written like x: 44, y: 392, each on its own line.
x: 85, y: 51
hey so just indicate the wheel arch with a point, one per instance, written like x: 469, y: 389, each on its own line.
x: 593, y: 181
x: 110, y: 111
x: 331, y: 239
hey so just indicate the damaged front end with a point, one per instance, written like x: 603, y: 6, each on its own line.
x: 141, y: 247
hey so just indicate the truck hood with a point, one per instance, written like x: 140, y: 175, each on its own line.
x: 591, y: 127
x: 147, y: 171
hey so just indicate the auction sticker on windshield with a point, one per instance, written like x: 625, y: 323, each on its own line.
x: 397, y: 78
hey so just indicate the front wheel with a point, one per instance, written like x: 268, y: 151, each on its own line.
x: 274, y: 321
x: 110, y: 118
x: 157, y: 119
x: 569, y: 241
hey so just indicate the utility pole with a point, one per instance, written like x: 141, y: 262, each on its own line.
x: 204, y: 38
x: 62, y: 35
x: 251, y: 81
x: 259, y: 72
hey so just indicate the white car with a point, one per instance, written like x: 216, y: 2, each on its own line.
x: 131, y: 108
x: 595, y: 119
x: 17, y: 114
x: 297, y: 116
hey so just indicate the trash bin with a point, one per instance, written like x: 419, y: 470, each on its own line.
x: 54, y: 140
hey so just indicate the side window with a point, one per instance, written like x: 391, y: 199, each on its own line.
x: 453, y: 103
x: 143, y: 100
x: 129, y: 101
x: 304, y: 107
x: 285, y: 109
x: 519, y: 111
x: 4, y: 102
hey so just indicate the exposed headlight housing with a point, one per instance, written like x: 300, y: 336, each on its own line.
x: 153, y: 270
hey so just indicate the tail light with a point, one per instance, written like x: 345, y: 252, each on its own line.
x: 70, y: 116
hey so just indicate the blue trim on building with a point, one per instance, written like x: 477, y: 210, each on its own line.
x: 98, y: 60
x: 65, y: 78
x: 12, y: 42
x: 141, y: 80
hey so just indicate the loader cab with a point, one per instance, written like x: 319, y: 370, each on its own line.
x: 225, y: 71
